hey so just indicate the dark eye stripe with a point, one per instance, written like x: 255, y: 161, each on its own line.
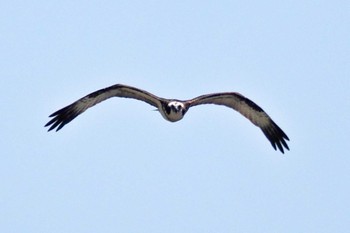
x: 166, y: 108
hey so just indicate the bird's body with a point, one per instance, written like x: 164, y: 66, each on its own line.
x: 174, y: 110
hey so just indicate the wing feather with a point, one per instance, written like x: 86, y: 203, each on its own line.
x: 251, y: 111
x: 68, y: 113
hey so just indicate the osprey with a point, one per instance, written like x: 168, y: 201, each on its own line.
x: 174, y: 110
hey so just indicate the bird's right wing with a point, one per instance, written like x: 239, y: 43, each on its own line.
x: 68, y: 113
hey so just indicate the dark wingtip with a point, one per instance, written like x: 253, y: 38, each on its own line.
x: 52, y: 123
x: 276, y: 136
x: 61, y: 118
x: 58, y: 122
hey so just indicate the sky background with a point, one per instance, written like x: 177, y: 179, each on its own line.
x: 120, y: 167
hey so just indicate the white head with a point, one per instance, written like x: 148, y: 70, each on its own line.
x: 173, y: 111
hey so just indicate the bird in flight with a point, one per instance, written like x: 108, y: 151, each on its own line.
x: 174, y: 110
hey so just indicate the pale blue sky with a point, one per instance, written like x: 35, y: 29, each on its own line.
x: 120, y: 167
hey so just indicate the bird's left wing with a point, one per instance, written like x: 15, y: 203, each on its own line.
x: 251, y: 111
x: 68, y: 113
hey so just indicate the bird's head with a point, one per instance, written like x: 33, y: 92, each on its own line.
x: 174, y: 110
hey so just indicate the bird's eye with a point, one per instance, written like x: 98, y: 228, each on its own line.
x: 167, y: 109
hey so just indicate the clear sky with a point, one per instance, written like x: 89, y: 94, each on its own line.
x: 120, y: 167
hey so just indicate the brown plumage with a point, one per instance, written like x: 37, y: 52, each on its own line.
x: 174, y: 110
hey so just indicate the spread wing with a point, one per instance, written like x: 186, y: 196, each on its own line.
x: 251, y: 111
x: 68, y: 113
